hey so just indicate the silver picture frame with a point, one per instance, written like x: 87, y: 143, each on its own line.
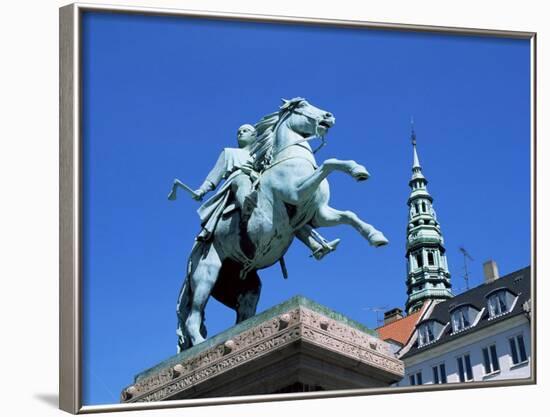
x: 70, y: 207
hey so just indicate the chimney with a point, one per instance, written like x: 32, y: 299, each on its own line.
x: 392, y: 315
x: 490, y: 271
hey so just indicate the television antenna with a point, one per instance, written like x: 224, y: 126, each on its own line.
x: 467, y: 258
x: 377, y: 310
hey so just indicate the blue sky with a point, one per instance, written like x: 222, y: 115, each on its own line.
x: 164, y: 95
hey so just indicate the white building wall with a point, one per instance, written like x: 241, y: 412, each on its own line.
x: 500, y: 339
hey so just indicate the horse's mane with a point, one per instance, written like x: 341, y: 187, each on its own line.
x: 262, y: 150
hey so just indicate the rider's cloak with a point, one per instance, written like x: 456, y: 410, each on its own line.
x: 228, y: 167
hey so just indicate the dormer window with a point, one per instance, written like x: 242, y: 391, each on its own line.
x: 497, y: 304
x: 500, y: 302
x: 463, y: 317
x: 428, y: 332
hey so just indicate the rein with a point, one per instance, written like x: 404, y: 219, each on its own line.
x: 299, y: 142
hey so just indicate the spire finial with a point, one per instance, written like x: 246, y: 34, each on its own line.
x: 413, y: 134
x: 416, y: 162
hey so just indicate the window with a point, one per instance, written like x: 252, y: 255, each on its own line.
x: 460, y: 318
x: 440, y: 374
x: 431, y: 258
x: 497, y: 303
x: 490, y: 359
x: 419, y: 261
x: 426, y: 333
x: 416, y: 379
x: 424, y: 207
x: 464, y: 368
x: 517, y: 348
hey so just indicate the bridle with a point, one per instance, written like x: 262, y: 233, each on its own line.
x: 293, y: 109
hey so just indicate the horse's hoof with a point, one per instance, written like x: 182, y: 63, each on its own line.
x: 378, y: 239
x: 360, y: 173
x: 197, y: 340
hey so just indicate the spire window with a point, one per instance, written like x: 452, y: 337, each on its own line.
x: 431, y: 258
x: 419, y: 260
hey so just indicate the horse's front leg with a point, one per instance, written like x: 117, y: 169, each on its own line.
x: 310, y: 184
x: 327, y: 216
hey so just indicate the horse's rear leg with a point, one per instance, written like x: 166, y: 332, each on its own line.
x: 203, y: 279
x: 327, y: 216
x: 247, y: 301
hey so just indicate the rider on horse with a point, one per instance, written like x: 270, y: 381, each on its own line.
x: 236, y: 166
x: 291, y: 199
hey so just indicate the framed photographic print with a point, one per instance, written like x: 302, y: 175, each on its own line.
x: 261, y: 208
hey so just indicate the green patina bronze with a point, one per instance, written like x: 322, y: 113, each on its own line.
x: 274, y: 191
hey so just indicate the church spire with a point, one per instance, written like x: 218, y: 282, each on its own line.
x: 428, y: 276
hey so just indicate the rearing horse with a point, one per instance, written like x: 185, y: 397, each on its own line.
x: 292, y: 192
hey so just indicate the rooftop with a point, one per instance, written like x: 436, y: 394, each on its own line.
x: 518, y: 283
x: 400, y: 330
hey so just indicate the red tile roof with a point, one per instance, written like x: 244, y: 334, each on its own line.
x: 400, y: 330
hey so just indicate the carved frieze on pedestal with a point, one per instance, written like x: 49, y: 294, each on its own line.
x: 295, y: 346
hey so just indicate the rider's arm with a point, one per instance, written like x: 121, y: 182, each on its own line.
x: 215, y: 175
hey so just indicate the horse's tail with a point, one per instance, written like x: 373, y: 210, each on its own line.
x: 183, y: 306
x: 185, y: 299
x: 182, y: 311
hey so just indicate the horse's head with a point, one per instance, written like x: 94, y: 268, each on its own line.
x: 296, y: 115
x: 306, y: 119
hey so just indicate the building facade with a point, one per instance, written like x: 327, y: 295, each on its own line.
x: 483, y: 334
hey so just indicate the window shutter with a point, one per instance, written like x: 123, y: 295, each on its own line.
x: 486, y: 363
x: 436, y: 375
x: 494, y: 358
x: 514, y: 351
x: 521, y: 345
x: 443, y: 373
x: 460, y: 369
x: 468, y: 367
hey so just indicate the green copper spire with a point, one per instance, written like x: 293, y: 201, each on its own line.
x: 428, y: 276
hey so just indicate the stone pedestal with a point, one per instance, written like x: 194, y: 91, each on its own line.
x: 296, y: 346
